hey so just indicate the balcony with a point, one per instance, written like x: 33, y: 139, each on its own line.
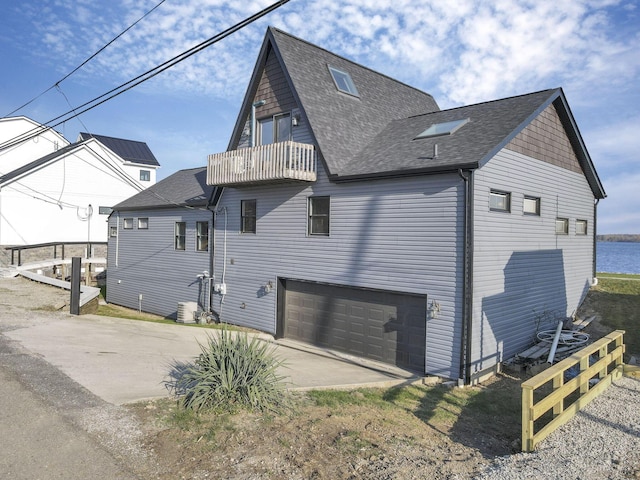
x: 275, y: 163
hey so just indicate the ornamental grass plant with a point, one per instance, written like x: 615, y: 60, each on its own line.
x: 232, y: 372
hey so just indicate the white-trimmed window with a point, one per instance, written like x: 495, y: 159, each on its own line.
x: 531, y: 205
x: 113, y: 231
x: 562, y: 226
x: 319, y: 215
x: 180, y: 236
x: 581, y: 227
x: 499, y: 201
x: 143, y: 223
x: 127, y: 223
x: 145, y: 175
x: 202, y: 236
x: 343, y: 82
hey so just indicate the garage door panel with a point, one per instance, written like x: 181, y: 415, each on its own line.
x: 384, y: 326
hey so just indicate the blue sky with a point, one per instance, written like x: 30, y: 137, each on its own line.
x: 460, y: 51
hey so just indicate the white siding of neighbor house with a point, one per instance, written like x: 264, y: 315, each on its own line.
x: 523, y: 272
x: 145, y: 262
x: 29, y: 210
x: 397, y: 234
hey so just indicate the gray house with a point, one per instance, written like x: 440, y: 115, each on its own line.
x: 352, y: 213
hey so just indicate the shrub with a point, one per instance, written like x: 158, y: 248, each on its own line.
x: 231, y: 372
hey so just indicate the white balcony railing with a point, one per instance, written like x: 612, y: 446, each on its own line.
x: 277, y: 162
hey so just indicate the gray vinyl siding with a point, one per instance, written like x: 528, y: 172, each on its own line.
x: 399, y: 235
x: 148, y: 264
x: 524, y: 273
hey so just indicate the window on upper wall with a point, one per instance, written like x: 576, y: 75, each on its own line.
x: 145, y: 176
x: 319, y: 213
x: 113, y: 231
x: 127, y: 223
x: 248, y: 210
x: 143, y: 223
x: 562, y: 226
x: 531, y: 205
x: 180, y: 236
x: 499, y: 201
x: 202, y: 236
x: 343, y: 82
x: 581, y: 227
x: 274, y: 129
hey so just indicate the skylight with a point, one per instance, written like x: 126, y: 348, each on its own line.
x: 343, y: 82
x: 446, y: 128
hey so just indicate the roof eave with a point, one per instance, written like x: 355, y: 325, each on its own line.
x: 403, y: 173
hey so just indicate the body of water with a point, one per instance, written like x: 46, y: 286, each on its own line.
x: 618, y: 257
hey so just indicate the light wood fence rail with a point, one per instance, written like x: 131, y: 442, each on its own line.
x: 597, y: 365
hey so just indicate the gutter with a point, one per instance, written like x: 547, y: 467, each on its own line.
x: 595, y: 241
x: 467, y: 284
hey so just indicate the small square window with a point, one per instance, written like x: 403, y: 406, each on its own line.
x: 562, y: 226
x: 145, y: 176
x: 202, y: 236
x: 143, y: 223
x: 113, y: 231
x: 500, y: 201
x: 343, y: 82
x: 248, y: 210
x: 319, y: 210
x: 581, y: 227
x: 180, y: 235
x: 531, y: 205
x: 127, y: 223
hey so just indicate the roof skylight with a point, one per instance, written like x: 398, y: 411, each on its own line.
x: 343, y: 82
x: 446, y: 128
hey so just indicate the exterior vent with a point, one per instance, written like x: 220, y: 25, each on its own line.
x: 187, y: 312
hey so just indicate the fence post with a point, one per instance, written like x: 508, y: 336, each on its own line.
x: 527, y: 419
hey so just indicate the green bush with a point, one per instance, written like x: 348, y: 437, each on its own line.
x: 230, y: 373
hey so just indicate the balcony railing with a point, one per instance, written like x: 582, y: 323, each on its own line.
x: 277, y: 162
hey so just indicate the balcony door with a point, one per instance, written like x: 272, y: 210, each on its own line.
x: 274, y: 129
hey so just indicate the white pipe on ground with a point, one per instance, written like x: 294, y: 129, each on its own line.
x: 554, y: 345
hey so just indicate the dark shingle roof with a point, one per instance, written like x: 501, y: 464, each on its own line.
x: 129, y: 150
x: 185, y: 188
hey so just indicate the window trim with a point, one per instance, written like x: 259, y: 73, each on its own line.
x: 244, y: 217
x: 565, y: 226
x: 127, y: 223
x: 535, y: 213
x: 113, y: 231
x: 581, y: 221
x: 311, y: 216
x: 339, y: 76
x: 180, y: 233
x: 145, y: 221
x: 145, y: 175
x: 507, y: 195
x: 200, y: 236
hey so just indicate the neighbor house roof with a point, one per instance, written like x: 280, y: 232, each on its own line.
x: 129, y: 150
x: 185, y: 188
x: 34, y: 165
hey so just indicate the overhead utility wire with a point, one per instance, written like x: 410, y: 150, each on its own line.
x: 86, y: 61
x: 141, y: 78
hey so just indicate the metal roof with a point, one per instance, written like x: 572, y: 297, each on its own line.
x: 129, y: 150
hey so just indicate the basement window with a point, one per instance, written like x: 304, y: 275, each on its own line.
x: 343, y: 82
x: 440, y: 129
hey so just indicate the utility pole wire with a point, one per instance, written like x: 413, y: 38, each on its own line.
x: 140, y: 78
x: 57, y: 84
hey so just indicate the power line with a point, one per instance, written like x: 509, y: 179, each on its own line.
x: 149, y: 74
x: 86, y: 61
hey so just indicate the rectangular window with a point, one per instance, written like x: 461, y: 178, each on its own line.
x: 104, y: 210
x: 581, y: 227
x: 531, y: 205
x: 113, y: 231
x: 248, y: 216
x: 145, y: 176
x: 319, y: 210
x: 143, y: 223
x: 180, y: 235
x: 562, y: 226
x: 274, y: 129
x: 127, y: 223
x: 500, y: 201
x: 202, y: 236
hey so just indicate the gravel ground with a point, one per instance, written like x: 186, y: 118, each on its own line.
x: 601, y: 442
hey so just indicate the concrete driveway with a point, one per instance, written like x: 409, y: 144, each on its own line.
x: 123, y: 361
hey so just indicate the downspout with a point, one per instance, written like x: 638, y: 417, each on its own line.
x: 117, y: 236
x: 594, y: 278
x: 211, y: 206
x: 467, y: 284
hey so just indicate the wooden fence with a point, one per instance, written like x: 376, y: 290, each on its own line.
x: 549, y: 393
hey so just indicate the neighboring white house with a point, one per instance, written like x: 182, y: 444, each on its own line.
x: 54, y: 191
